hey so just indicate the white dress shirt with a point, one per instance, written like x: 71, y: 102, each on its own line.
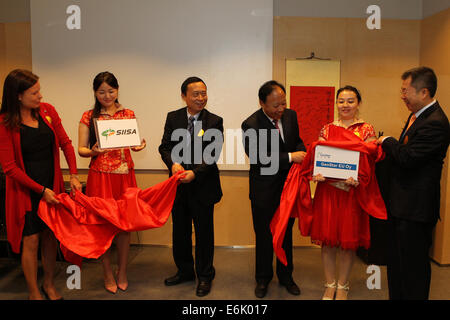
x: 280, y: 126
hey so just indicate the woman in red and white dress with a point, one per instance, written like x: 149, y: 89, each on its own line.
x: 338, y: 224
x: 111, y: 172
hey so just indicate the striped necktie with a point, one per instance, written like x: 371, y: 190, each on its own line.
x: 191, y: 125
x: 275, y: 123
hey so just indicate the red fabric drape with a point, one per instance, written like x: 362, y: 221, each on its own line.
x: 86, y: 226
x: 296, y: 199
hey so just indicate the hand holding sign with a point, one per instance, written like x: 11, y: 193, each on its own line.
x: 96, y: 150
x: 351, y: 182
x: 318, y: 178
x: 139, y: 148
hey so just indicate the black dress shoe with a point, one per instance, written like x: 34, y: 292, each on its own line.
x: 203, y: 288
x: 292, y: 288
x: 177, y: 279
x: 261, y: 290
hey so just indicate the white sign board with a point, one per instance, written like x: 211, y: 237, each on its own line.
x: 118, y: 133
x: 336, y: 163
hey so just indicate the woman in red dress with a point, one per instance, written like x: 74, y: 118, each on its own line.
x: 31, y: 135
x: 110, y: 171
x: 338, y: 223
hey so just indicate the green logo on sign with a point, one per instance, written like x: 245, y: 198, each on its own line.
x: 108, y: 133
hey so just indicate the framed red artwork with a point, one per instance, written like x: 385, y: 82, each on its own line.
x: 314, y: 107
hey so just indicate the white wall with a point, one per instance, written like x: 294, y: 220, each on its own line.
x: 152, y: 47
x: 390, y: 9
x: 431, y: 7
x: 14, y: 11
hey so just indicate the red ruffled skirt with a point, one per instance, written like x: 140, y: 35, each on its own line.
x: 338, y: 220
x: 109, y: 185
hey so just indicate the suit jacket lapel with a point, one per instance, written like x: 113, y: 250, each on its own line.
x: 181, y: 119
x: 203, y: 118
x: 286, y: 128
x: 265, y: 123
x: 418, y: 121
x: 403, y: 134
x: 427, y: 112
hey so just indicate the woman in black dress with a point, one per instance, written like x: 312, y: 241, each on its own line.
x: 30, y: 137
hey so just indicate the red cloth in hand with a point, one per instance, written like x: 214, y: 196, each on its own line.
x: 86, y: 226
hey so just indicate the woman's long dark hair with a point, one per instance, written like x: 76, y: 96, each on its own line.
x: 109, y: 79
x: 16, y: 83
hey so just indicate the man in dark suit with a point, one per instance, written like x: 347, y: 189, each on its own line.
x: 413, y: 204
x: 183, y: 148
x: 272, y: 142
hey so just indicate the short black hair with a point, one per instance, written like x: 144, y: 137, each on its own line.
x: 188, y: 81
x: 422, y: 77
x: 267, y: 89
x: 352, y: 89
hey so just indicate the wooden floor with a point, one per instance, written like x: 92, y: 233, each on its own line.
x: 150, y: 265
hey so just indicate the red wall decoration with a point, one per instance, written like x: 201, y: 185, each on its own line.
x: 314, y: 107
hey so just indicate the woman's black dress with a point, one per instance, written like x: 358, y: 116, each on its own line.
x: 37, y: 153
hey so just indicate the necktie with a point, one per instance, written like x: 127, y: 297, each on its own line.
x: 411, y: 121
x: 275, y: 123
x: 191, y: 125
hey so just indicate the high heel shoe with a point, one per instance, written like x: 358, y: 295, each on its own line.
x: 330, y: 286
x: 111, y: 287
x: 46, y: 294
x: 123, y: 287
x: 342, y: 291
